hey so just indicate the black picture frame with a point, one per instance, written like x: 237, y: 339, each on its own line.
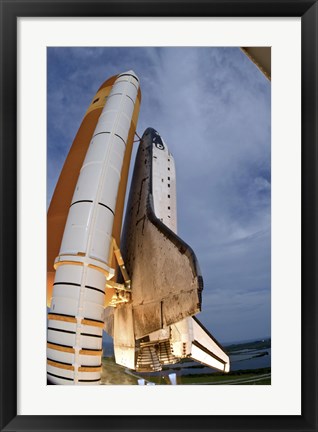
x: 10, y: 11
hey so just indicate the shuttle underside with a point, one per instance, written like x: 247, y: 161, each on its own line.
x: 166, y: 282
x: 166, y: 279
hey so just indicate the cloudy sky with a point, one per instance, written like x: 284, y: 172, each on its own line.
x: 212, y: 106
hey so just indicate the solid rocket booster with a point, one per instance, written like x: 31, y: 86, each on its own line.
x: 76, y: 317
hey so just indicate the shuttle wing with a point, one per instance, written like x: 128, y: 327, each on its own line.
x: 206, y: 350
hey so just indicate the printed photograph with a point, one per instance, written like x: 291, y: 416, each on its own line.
x: 159, y: 216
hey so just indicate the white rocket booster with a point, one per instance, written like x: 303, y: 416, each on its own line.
x: 75, y: 320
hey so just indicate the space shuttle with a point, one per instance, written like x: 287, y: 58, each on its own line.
x: 140, y: 283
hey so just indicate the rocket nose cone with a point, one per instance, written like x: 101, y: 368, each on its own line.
x: 154, y: 136
x: 151, y: 131
x: 130, y: 72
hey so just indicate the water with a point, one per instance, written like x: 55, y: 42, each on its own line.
x: 247, y: 360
